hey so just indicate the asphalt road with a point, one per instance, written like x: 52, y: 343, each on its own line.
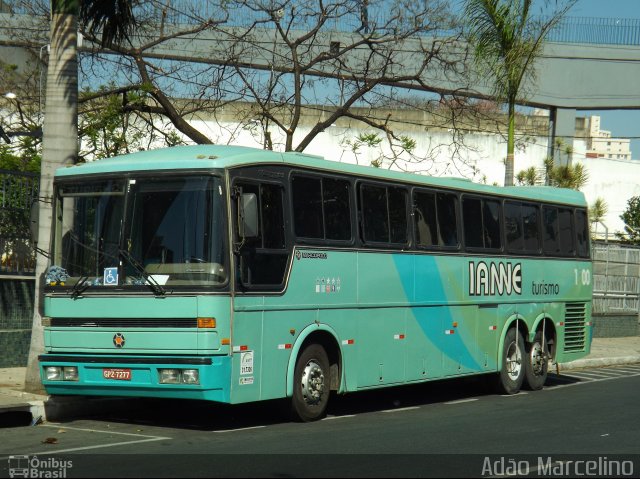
x: 444, y: 429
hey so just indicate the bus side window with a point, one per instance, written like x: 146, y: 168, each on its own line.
x: 447, y: 208
x: 336, y: 195
x: 472, y: 217
x: 582, y: 234
x: 375, y: 216
x: 307, y: 207
x: 424, y: 207
x: 566, y: 232
x: 513, y: 226
x: 551, y: 240
x: 491, y: 224
x: 531, y: 228
x: 384, y: 214
x: 321, y: 208
x: 263, y: 259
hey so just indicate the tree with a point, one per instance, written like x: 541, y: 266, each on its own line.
x: 276, y: 66
x: 568, y: 176
x: 597, y: 211
x: 115, y: 19
x: 507, y: 39
x: 528, y: 177
x: 573, y: 176
x: 631, y: 218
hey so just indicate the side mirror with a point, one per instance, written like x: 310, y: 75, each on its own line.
x: 248, y: 215
x: 34, y: 221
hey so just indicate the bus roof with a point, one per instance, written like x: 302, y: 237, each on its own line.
x: 199, y: 157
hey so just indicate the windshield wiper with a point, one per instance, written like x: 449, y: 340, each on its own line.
x: 157, y: 289
x: 80, y: 286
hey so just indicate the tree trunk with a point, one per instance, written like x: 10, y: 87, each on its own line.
x: 60, y: 147
x: 511, y: 142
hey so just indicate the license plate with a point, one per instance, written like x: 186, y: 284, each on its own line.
x: 118, y: 374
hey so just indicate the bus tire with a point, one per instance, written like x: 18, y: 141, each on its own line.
x: 536, y: 364
x: 311, y: 384
x: 512, y: 372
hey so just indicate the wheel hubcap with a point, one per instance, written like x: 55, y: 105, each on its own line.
x: 538, y: 359
x: 514, y: 361
x: 312, y: 383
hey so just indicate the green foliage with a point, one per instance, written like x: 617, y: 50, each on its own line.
x: 398, y: 146
x: 598, y: 210
x: 568, y: 176
x: 24, y: 154
x: 408, y: 144
x: 631, y: 218
x: 110, y: 126
x: 369, y: 139
x: 529, y: 177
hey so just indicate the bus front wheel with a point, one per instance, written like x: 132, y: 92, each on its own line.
x: 512, y: 372
x: 311, y: 384
x: 536, y: 364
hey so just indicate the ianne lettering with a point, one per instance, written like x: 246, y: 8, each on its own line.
x: 495, y: 278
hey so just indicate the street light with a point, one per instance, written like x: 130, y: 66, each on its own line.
x: 6, y: 136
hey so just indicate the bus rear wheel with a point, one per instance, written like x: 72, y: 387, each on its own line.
x: 311, y: 384
x: 536, y: 364
x: 512, y: 372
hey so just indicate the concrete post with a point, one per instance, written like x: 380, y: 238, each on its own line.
x: 563, y: 131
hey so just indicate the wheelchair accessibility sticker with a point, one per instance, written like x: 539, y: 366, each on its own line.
x: 110, y: 277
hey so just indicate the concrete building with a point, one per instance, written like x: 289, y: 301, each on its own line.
x: 600, y: 144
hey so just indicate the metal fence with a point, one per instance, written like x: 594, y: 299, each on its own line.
x: 18, y: 191
x: 348, y: 18
x: 616, y: 279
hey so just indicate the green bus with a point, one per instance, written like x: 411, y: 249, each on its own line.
x: 233, y: 274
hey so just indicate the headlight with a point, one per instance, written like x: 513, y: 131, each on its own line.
x: 190, y: 376
x: 53, y: 373
x: 179, y: 376
x: 169, y: 376
x: 70, y: 373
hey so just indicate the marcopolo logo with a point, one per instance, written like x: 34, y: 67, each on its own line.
x: 494, y: 278
x: 310, y: 255
x: 25, y: 466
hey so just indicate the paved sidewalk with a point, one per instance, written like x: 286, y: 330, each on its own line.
x: 608, y: 352
x: 604, y: 352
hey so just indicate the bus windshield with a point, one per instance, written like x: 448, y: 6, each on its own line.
x: 143, y: 231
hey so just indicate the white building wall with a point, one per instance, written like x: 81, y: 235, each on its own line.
x: 616, y: 181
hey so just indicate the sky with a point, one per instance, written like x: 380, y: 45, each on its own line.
x: 621, y: 123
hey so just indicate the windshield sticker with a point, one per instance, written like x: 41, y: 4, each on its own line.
x: 161, y: 279
x: 110, y: 277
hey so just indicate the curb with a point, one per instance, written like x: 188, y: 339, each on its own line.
x: 599, y: 362
x: 61, y: 408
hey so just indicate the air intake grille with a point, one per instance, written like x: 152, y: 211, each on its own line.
x: 574, y: 326
x: 124, y: 323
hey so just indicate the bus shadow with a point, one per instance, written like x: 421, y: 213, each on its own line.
x: 209, y: 416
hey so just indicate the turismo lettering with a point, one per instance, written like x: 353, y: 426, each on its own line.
x: 494, y: 278
x: 543, y: 289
